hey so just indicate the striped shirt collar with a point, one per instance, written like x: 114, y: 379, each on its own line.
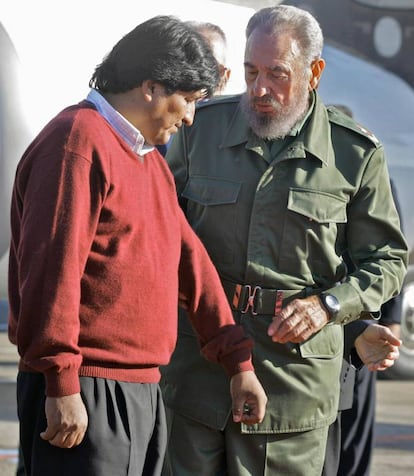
x: 130, y: 134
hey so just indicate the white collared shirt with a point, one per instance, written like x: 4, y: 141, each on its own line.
x: 130, y: 134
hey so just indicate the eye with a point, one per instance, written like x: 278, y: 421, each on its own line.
x: 279, y: 76
x: 250, y: 73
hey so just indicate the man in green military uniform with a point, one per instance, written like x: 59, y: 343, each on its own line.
x: 279, y: 187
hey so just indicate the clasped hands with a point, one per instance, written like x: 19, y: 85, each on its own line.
x: 377, y: 346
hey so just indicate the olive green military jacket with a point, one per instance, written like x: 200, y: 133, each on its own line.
x: 284, y: 222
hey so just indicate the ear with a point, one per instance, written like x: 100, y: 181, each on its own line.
x: 148, y: 88
x: 227, y: 74
x: 317, y: 68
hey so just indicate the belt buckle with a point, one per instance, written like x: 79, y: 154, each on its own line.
x: 250, y: 299
x: 278, y: 301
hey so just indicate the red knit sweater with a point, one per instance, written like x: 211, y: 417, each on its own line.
x: 100, y: 252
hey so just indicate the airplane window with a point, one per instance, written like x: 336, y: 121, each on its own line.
x: 388, y: 37
x: 394, y: 4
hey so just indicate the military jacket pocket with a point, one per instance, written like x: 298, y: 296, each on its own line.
x: 323, y: 345
x: 315, y: 224
x: 291, y: 372
x: 318, y: 206
x: 209, y: 191
x: 210, y: 207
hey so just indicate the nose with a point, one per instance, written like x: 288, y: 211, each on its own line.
x: 260, y: 87
x: 189, y: 113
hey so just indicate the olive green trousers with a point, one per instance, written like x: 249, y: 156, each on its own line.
x: 197, y: 450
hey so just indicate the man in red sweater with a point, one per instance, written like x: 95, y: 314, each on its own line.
x: 100, y: 255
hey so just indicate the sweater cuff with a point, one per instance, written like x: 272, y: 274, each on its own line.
x: 62, y: 383
x: 231, y: 348
x: 234, y: 364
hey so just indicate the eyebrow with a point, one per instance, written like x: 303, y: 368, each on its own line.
x: 248, y: 65
x: 275, y: 69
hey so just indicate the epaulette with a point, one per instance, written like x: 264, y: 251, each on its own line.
x: 225, y: 98
x: 342, y: 117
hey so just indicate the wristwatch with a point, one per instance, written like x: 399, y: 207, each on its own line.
x: 331, y: 304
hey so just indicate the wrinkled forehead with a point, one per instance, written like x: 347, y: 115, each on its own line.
x: 271, y: 47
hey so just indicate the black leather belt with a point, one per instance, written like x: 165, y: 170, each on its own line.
x: 245, y: 297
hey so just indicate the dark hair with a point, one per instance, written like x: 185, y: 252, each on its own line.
x: 162, y: 49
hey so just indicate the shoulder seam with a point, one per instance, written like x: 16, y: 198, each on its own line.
x: 354, y: 126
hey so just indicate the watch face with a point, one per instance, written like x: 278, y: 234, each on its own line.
x: 331, y: 303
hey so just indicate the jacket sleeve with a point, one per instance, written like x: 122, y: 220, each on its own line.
x: 391, y: 311
x: 351, y: 332
x: 376, y: 244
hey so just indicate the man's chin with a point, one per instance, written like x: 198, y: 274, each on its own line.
x: 164, y: 138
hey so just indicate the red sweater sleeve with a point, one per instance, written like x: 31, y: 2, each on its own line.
x: 202, y: 295
x: 57, y: 250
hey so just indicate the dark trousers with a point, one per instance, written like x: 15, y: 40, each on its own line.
x: 333, y: 448
x: 357, y: 427
x: 126, y: 433
x: 351, y: 436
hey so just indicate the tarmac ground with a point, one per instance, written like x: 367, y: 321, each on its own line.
x: 394, y: 440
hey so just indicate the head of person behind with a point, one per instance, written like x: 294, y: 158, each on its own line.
x: 216, y: 38
x: 155, y: 74
x: 282, y: 65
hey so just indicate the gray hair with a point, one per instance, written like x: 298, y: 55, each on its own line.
x: 212, y: 32
x: 303, y: 27
x: 202, y: 26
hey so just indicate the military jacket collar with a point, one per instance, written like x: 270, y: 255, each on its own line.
x: 315, y: 139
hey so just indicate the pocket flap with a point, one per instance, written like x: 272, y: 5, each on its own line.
x: 211, y: 191
x: 326, y: 344
x: 319, y: 206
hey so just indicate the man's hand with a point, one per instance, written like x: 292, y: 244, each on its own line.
x: 395, y: 329
x: 377, y: 347
x: 298, y: 321
x: 67, y: 421
x: 249, y: 398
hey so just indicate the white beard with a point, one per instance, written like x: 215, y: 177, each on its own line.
x: 279, y: 124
